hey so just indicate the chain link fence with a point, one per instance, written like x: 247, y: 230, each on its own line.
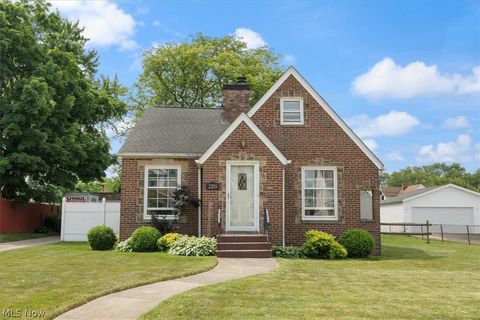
x: 445, y: 232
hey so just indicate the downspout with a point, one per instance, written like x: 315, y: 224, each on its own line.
x: 283, y: 201
x: 199, y: 178
x: 283, y: 206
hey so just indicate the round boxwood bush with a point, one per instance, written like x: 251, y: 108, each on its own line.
x: 358, y: 242
x: 101, y: 238
x: 165, y: 242
x: 322, y: 245
x: 144, y: 239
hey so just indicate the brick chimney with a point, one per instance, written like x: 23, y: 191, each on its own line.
x: 235, y: 99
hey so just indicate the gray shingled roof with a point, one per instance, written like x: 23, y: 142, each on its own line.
x: 175, y: 130
x: 407, y: 195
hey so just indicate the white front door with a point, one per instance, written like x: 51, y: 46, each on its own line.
x: 242, y: 196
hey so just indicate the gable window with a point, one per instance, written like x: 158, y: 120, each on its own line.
x: 319, y: 193
x: 291, y: 111
x: 160, y: 183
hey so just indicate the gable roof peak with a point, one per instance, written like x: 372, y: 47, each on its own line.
x: 243, y: 117
x: 292, y: 71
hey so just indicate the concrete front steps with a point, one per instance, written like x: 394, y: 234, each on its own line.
x: 243, y: 246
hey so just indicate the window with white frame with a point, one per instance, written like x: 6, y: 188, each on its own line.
x: 160, y: 183
x: 291, y: 111
x: 319, y: 193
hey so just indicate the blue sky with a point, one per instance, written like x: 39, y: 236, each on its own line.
x: 404, y: 74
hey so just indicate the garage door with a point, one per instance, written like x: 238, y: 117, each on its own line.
x: 452, y: 215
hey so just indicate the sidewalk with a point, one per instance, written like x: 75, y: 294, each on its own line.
x: 28, y: 243
x: 132, y: 303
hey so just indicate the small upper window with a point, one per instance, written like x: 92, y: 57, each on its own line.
x: 291, y: 111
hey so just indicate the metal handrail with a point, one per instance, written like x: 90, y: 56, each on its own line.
x: 266, y: 223
x: 219, y: 222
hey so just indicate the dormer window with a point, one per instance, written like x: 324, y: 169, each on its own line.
x: 291, y: 111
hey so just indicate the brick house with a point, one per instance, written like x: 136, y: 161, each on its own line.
x: 289, y: 160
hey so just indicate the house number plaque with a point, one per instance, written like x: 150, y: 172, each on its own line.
x: 213, y: 186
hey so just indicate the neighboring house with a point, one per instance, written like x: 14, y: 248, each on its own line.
x: 290, y: 154
x: 411, y: 188
x: 390, y: 192
x: 448, y: 204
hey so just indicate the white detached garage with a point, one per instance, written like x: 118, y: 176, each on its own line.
x: 446, y: 205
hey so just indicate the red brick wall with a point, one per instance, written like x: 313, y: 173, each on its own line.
x: 235, y: 101
x: 132, y: 180
x: 24, y: 219
x: 243, y: 144
x: 320, y: 141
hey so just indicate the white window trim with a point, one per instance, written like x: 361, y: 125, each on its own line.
x: 147, y: 216
x: 335, y: 195
x: 299, y: 99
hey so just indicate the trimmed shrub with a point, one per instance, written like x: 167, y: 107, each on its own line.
x: 50, y: 224
x: 287, y: 252
x: 164, y: 225
x: 101, y: 238
x: 164, y: 243
x: 322, y: 245
x: 144, y: 239
x: 358, y: 242
x: 193, y: 246
x: 53, y: 223
x: 124, y: 246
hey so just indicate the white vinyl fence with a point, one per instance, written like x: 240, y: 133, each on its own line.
x: 79, y: 217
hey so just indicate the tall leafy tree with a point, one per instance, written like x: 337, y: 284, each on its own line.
x: 106, y: 184
x: 53, y: 107
x: 192, y: 73
x: 434, y: 175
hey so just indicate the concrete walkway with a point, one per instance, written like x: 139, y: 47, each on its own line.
x: 132, y: 303
x: 27, y: 243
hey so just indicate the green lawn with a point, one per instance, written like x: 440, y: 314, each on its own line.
x: 411, y: 280
x: 58, y: 277
x: 9, y: 237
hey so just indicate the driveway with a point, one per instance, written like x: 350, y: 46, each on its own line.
x: 27, y: 243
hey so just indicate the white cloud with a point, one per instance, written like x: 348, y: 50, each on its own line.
x: 251, y: 38
x: 289, y: 59
x: 470, y: 84
x: 104, y: 22
x: 394, y: 156
x: 167, y: 29
x: 393, y: 123
x: 456, y: 122
x: 142, y: 10
x: 460, y: 150
x: 371, y: 144
x: 386, y: 79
